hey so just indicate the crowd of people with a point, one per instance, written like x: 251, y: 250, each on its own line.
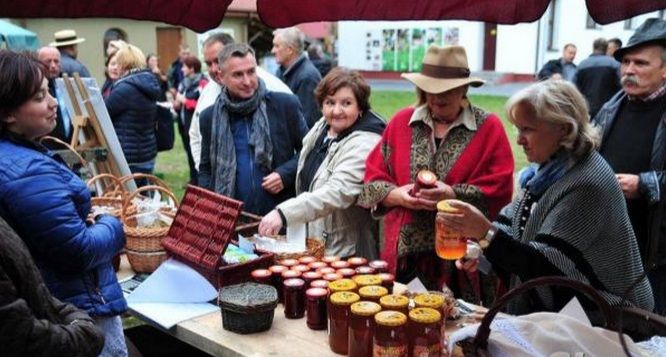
x: 304, y: 146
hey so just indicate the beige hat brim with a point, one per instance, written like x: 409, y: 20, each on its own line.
x: 439, y: 85
x: 66, y: 43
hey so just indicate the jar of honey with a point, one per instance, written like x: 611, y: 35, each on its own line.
x: 365, y: 270
x: 332, y: 276
x: 291, y: 274
x: 346, y: 272
x: 316, y: 308
x: 387, y: 280
x: 425, y: 332
x: 372, y: 293
x: 361, y: 328
x: 319, y: 283
x: 357, y: 261
x: 314, y: 266
x: 390, y: 334
x: 262, y: 276
x: 338, y: 320
x: 380, y: 266
x: 395, y: 303
x: 325, y: 270
x: 432, y: 301
x: 342, y: 285
x: 309, y: 277
x: 424, y: 179
x: 366, y: 280
x: 301, y: 267
x: 294, y: 298
x: 449, y: 245
x: 307, y: 260
x: 330, y: 259
x: 340, y: 264
x: 288, y: 262
x: 277, y: 271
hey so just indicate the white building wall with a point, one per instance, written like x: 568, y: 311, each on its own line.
x: 516, y: 48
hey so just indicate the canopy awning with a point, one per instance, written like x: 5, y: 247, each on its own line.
x: 17, y: 38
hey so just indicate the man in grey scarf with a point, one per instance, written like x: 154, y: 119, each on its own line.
x: 251, y: 137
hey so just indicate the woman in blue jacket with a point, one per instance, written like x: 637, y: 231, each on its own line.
x: 47, y: 204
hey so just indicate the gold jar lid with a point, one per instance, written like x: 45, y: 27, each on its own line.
x: 344, y: 298
x: 365, y: 308
x: 342, y: 285
x: 394, y: 301
x: 390, y: 318
x: 425, y: 315
x: 367, y: 279
x: 372, y: 291
x: 444, y: 206
x: 429, y: 300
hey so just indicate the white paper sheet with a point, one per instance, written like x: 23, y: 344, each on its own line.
x: 296, y: 236
x: 172, y: 294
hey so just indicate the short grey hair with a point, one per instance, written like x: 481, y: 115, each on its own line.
x: 292, y: 37
x: 234, y: 50
x: 559, y: 102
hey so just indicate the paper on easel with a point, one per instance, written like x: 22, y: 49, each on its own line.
x: 296, y: 236
x: 172, y: 294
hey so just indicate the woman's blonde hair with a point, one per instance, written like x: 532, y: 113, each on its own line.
x: 559, y: 102
x: 130, y: 57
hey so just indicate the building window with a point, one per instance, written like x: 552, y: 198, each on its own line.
x: 551, y: 29
x: 113, y: 34
x: 590, y: 23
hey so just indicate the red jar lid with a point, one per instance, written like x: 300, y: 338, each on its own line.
x: 289, y: 262
x: 332, y: 276
x: 320, y: 283
x: 261, y: 273
x: 379, y: 264
x: 316, y: 292
x: 317, y: 265
x: 386, y: 276
x: 300, y: 267
x: 307, y: 260
x: 288, y: 274
x: 340, y: 264
x: 294, y: 282
x: 365, y: 270
x: 311, y: 275
x: 357, y: 261
x: 346, y: 272
x: 326, y: 270
x: 330, y: 259
x: 278, y: 269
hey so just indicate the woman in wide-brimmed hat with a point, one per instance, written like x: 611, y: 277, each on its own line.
x: 466, y: 147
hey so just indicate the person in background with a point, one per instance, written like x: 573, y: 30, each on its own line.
x: 50, y: 57
x: 569, y: 218
x: 318, y: 58
x: 48, y: 205
x: 189, y: 90
x: 561, y: 68
x: 633, y: 123
x: 212, y: 47
x: 153, y: 63
x: 175, y: 72
x: 32, y: 321
x: 251, y: 137
x: 111, y: 72
x: 614, y: 44
x: 132, y: 108
x: 598, y: 77
x: 463, y: 145
x: 296, y: 70
x: 331, y: 168
x: 67, y: 43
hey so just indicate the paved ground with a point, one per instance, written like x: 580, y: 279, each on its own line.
x: 506, y: 89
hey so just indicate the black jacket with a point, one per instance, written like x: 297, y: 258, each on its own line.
x: 652, y: 184
x: 132, y: 106
x: 32, y: 322
x: 598, y: 79
x: 551, y: 67
x: 302, y: 78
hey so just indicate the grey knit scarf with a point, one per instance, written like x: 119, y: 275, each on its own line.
x: 222, y: 149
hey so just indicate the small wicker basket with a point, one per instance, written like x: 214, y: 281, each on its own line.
x: 113, y: 198
x: 248, y: 307
x: 145, y: 262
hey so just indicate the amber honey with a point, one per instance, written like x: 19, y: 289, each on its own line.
x: 448, y: 244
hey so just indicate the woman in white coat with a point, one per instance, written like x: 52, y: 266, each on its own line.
x: 331, y: 169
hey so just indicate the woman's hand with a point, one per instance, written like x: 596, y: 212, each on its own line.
x: 468, y: 221
x: 401, y: 197
x: 430, y: 196
x: 271, y: 224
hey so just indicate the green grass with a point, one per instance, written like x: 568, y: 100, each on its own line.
x: 172, y: 165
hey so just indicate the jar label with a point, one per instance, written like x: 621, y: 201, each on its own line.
x: 427, y: 351
x: 389, y: 351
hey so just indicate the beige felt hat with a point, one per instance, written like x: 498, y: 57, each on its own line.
x: 444, y: 68
x: 65, y: 38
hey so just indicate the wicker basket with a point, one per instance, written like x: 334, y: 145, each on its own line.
x: 248, y: 307
x: 145, y: 262
x: 111, y: 198
x: 143, y: 241
x: 314, y: 247
x: 152, y: 180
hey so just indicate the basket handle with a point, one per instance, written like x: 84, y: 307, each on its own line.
x: 117, y: 186
x: 69, y: 147
x: 129, y: 198
x: 483, y: 333
x: 139, y: 175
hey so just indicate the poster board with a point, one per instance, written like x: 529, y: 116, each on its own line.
x: 89, y: 103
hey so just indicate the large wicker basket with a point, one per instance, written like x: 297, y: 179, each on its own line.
x: 144, y: 244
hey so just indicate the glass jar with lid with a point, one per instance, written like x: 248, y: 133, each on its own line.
x: 316, y: 314
x: 294, y: 298
x: 372, y: 293
x: 338, y: 320
x: 390, y: 334
x: 342, y: 285
x: 361, y: 328
x: 430, y: 300
x: 367, y: 280
x: 424, y: 332
x: 395, y: 303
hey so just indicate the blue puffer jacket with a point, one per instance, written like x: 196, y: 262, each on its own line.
x: 132, y: 107
x: 46, y: 204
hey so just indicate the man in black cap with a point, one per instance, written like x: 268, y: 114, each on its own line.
x: 634, y: 144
